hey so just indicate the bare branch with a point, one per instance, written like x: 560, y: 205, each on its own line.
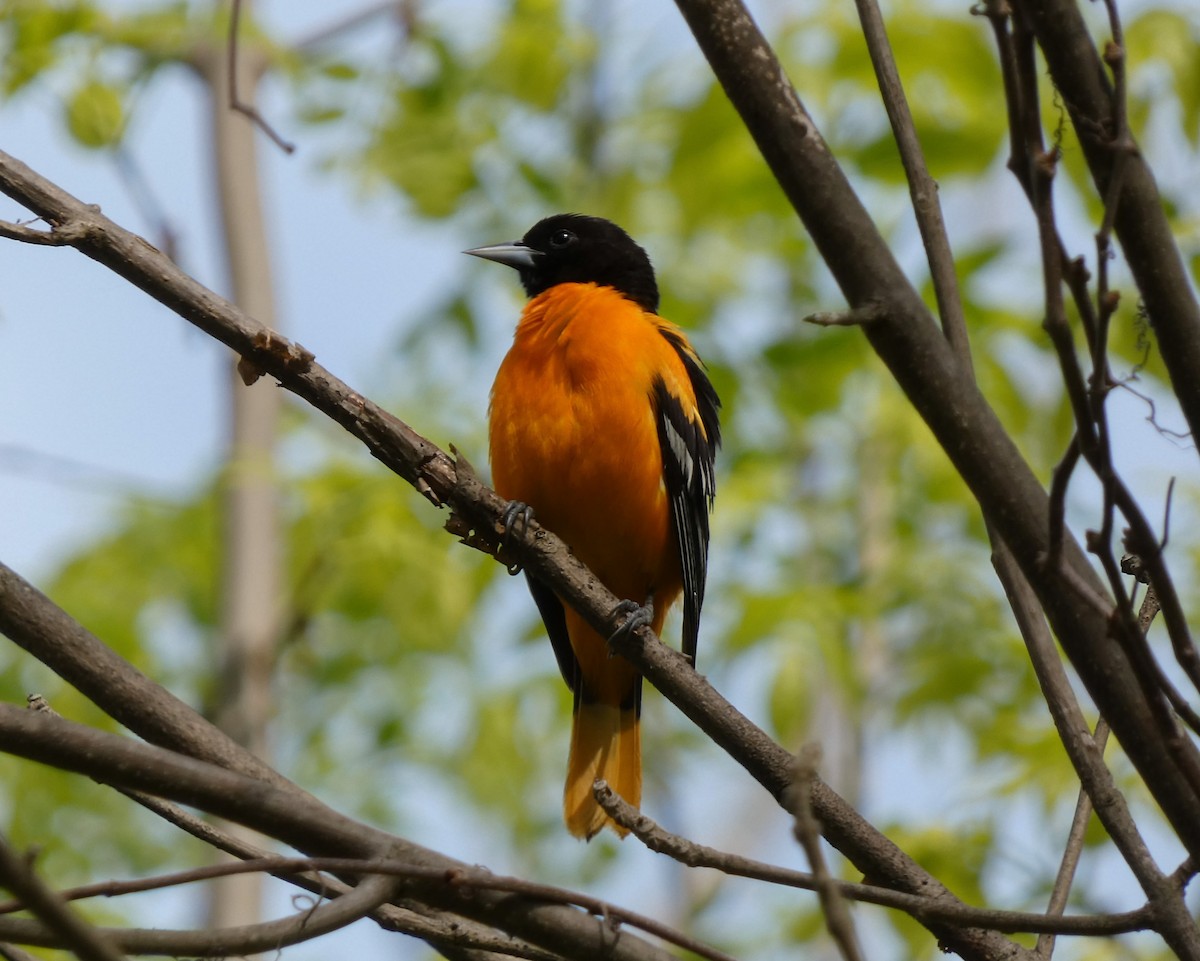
x: 285, y: 812
x: 1139, y: 223
x: 436, y: 928
x: 918, y: 356
x: 86, y: 942
x: 808, y: 833
x: 856, y: 317
x: 921, y: 186
x: 232, y: 63
x: 248, y: 939
x: 28, y: 235
x: 1165, y: 897
x: 442, y: 930
x: 1071, y: 853
x: 926, y: 910
x: 469, y: 878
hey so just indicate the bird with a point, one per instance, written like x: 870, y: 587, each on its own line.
x: 603, y: 424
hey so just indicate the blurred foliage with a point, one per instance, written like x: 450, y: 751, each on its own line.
x: 847, y: 556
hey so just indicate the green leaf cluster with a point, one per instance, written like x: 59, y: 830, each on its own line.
x: 850, y: 584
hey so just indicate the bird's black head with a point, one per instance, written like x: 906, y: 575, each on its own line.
x: 573, y: 248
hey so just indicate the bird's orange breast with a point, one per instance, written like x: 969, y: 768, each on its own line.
x: 572, y: 432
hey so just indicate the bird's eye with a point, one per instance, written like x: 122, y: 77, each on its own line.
x: 561, y: 238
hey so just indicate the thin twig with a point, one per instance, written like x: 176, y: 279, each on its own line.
x: 1165, y: 897
x: 465, y: 878
x: 924, y: 909
x: 81, y: 938
x: 855, y: 317
x: 1061, y: 892
x: 1060, y: 480
x: 922, y: 188
x: 28, y: 235
x: 808, y: 833
x: 235, y: 101
x: 305, y: 925
x: 437, y: 928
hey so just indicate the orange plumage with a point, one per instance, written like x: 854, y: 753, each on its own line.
x: 603, y: 422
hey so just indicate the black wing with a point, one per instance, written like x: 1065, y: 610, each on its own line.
x: 555, y: 619
x: 689, y: 440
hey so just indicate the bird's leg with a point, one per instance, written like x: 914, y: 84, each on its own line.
x: 514, y: 512
x: 636, y: 616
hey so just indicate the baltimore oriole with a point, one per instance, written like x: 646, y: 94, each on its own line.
x: 604, y: 424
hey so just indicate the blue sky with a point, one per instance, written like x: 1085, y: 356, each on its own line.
x: 104, y: 392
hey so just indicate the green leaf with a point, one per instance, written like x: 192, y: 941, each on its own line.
x: 96, y: 115
x: 340, y: 70
x: 33, y: 32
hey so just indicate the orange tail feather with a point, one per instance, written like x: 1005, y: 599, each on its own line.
x: 606, y: 743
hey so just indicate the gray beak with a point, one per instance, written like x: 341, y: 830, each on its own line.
x: 515, y: 254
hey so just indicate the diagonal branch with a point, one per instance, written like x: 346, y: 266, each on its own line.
x: 246, y: 939
x: 443, y: 481
x: 1165, y: 896
x: 85, y: 941
x: 908, y: 341
x: 696, y: 855
x: 806, y: 830
x: 285, y: 812
x: 1069, y: 864
x: 922, y: 188
x: 31, y: 620
x: 472, y: 878
x: 442, y: 930
x: 1140, y: 221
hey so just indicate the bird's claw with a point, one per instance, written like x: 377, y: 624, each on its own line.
x: 635, y: 616
x: 514, y: 512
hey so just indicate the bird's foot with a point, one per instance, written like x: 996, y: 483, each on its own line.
x: 635, y: 616
x: 516, y: 512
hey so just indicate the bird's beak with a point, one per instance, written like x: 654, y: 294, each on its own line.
x: 516, y: 254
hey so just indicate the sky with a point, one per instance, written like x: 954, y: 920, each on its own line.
x: 103, y: 392
x: 103, y: 389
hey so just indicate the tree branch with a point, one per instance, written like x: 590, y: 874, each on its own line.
x: 908, y: 342
x: 442, y: 481
x: 471, y: 878
x: 235, y: 61
x: 1175, y: 921
x: 927, y: 910
x: 84, y: 941
x: 246, y: 939
x: 1061, y: 892
x: 1140, y: 222
x: 807, y: 831
x: 285, y: 812
x: 922, y: 188
x: 25, y: 234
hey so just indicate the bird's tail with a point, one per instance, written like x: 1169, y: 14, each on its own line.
x: 606, y: 743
